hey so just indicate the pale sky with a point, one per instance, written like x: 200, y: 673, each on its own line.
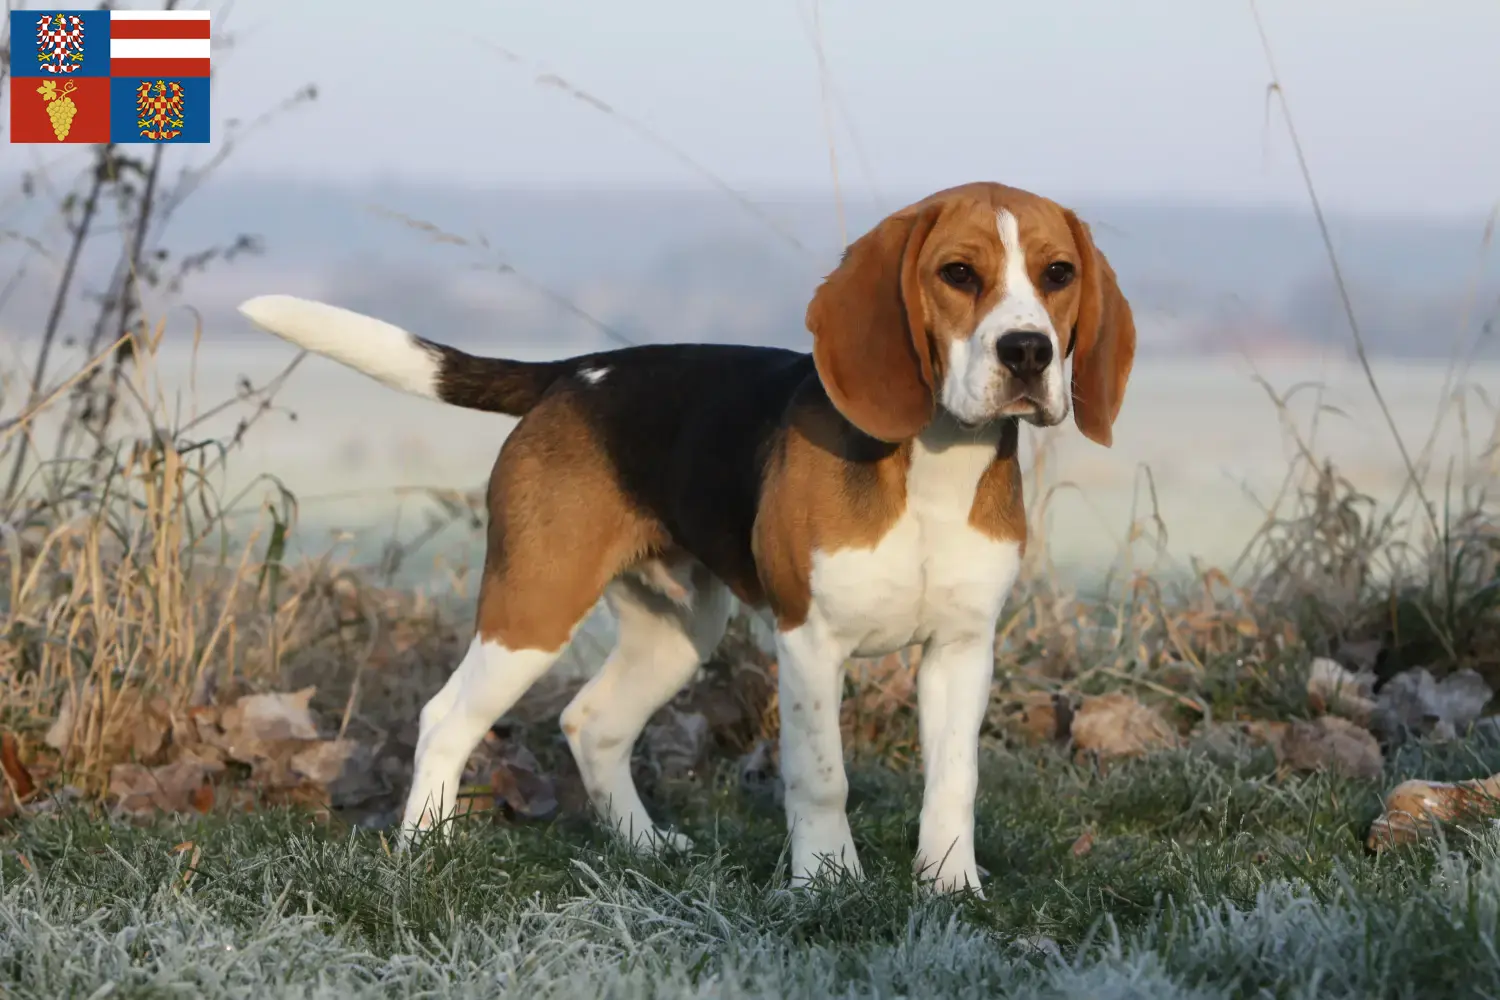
x: 1396, y: 100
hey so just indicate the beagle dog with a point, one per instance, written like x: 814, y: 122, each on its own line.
x: 866, y: 497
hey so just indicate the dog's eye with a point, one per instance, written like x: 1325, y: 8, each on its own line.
x: 959, y: 275
x: 1057, y: 275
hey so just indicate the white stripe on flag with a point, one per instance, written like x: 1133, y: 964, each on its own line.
x: 158, y: 15
x: 158, y: 48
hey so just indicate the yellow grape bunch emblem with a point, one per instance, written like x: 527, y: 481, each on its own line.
x: 60, y: 107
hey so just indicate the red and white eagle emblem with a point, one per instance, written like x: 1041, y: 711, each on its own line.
x: 59, y: 42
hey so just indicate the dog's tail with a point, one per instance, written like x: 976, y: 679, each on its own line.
x: 403, y: 360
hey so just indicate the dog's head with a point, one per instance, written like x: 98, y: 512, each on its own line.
x: 970, y: 301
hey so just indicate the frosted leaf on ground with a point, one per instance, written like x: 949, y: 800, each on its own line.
x: 179, y: 787
x: 1414, y: 703
x: 1414, y: 808
x: 1333, y: 744
x: 266, y: 718
x: 346, y: 768
x: 1335, y: 690
x: 1117, y: 725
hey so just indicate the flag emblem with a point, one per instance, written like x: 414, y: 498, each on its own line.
x: 60, y: 107
x: 159, y: 110
x: 120, y: 76
x: 59, y: 43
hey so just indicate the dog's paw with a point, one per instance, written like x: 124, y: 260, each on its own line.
x: 411, y: 835
x: 956, y: 883
x: 822, y: 850
x: 657, y: 841
x: 833, y: 865
x: 951, y: 878
x: 672, y: 842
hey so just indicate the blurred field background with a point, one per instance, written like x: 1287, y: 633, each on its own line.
x: 572, y: 191
x: 1207, y: 433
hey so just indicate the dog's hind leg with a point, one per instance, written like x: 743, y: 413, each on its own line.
x: 559, y: 532
x: 489, y: 680
x: 662, y: 642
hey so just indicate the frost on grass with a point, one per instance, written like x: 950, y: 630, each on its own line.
x: 137, y: 926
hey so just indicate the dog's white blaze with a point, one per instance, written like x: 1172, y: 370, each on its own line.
x: 593, y: 376
x: 1022, y: 309
x: 385, y: 352
x: 932, y: 579
x: 975, y: 378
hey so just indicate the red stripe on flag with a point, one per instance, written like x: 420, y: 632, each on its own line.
x: 158, y: 67
x: 174, y: 27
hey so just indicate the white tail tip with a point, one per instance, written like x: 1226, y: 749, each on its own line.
x: 384, y: 352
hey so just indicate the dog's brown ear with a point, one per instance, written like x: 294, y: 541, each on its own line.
x: 1103, y: 341
x: 869, y: 327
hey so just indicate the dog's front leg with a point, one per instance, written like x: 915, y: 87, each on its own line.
x: 953, y: 692
x: 810, y: 685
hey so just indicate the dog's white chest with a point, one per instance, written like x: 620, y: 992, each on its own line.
x: 932, y: 573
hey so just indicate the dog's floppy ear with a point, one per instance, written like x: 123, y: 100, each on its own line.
x: 1103, y: 341
x: 869, y: 327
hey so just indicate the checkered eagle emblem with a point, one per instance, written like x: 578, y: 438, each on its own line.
x: 159, y: 110
x: 59, y: 42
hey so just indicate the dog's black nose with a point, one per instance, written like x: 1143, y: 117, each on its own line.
x: 1024, y: 352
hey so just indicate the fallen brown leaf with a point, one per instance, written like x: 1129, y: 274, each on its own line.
x: 1117, y: 725
x: 1084, y: 843
x: 202, y: 799
x: 1334, y: 744
x: 60, y: 734
x: 515, y: 781
x: 1331, y: 688
x: 1039, y: 718
x: 147, y: 730
x: 277, y: 735
x: 520, y: 786
x: 1228, y: 742
x: 1414, y: 808
x: 196, y: 727
x: 257, y: 721
x: 346, y: 768
x: 16, y: 776
x: 1325, y: 743
x: 141, y: 791
x: 207, y: 754
x: 1271, y: 734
